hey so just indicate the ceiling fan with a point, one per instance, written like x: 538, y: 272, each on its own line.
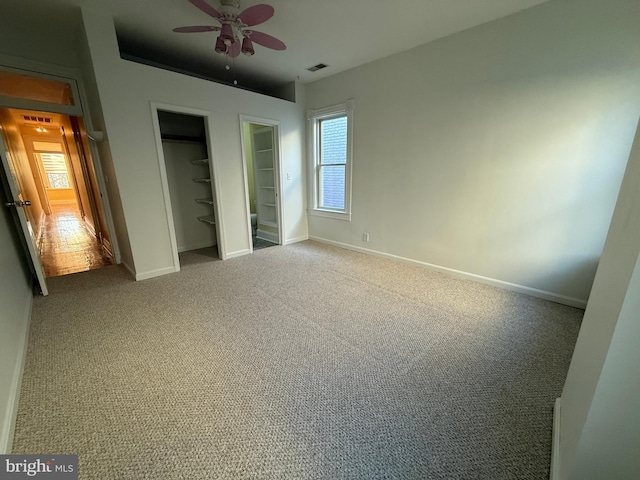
x: 235, y: 36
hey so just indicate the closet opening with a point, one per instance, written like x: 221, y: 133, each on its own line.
x: 261, y: 167
x: 189, y: 185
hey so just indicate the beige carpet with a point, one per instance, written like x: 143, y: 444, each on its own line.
x: 297, y: 362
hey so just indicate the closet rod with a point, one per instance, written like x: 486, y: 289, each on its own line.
x: 182, y: 138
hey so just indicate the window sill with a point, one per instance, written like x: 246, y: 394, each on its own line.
x: 316, y: 212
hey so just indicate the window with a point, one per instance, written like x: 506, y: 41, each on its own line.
x: 330, y: 140
x: 55, y: 168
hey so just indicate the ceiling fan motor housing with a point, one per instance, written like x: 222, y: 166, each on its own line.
x: 231, y: 6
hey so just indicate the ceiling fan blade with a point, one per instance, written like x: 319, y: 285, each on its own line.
x: 234, y: 49
x: 206, y: 8
x: 265, y: 40
x: 196, y: 29
x: 256, y: 14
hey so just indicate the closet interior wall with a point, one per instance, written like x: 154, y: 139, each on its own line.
x: 190, y: 182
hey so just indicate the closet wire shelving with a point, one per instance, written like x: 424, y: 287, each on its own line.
x: 210, y: 219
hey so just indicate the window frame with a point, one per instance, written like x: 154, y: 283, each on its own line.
x: 314, y: 119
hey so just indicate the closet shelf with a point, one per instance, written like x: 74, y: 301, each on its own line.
x: 270, y: 188
x: 263, y: 169
x: 200, y: 161
x: 264, y: 150
x: 269, y: 223
x: 202, y: 180
x: 208, y: 201
x: 268, y: 204
x: 208, y: 219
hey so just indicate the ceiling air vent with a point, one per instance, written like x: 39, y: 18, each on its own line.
x: 31, y: 118
x: 317, y: 67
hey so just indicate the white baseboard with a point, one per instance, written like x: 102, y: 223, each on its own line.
x: 9, y: 421
x: 128, y: 268
x: 296, y: 240
x: 555, y: 445
x: 106, y: 244
x: 43, y: 218
x: 534, y: 292
x: 90, y: 227
x: 155, y: 273
x: 237, y: 253
x: 268, y: 236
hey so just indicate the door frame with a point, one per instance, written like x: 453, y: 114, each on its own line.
x: 265, y: 122
x: 207, y: 116
x: 81, y: 109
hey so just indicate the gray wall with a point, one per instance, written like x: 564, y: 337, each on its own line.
x: 497, y: 151
x: 41, y: 31
x: 15, y: 311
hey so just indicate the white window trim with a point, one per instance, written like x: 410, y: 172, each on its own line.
x: 313, y: 118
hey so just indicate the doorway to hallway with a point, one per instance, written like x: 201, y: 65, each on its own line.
x: 51, y: 162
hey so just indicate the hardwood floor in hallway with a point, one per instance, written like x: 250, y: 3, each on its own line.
x: 66, y: 246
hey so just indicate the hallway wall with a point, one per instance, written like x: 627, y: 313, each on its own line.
x: 78, y: 178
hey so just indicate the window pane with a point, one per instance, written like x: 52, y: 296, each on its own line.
x: 58, y: 180
x: 35, y: 88
x: 333, y: 141
x: 332, y: 181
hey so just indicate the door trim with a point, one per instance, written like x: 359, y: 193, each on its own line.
x: 213, y: 168
x: 266, y: 122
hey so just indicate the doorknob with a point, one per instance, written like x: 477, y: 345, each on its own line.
x: 18, y: 203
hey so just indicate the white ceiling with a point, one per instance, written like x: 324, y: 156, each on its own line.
x: 340, y: 33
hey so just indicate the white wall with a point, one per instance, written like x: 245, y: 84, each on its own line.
x: 126, y: 90
x: 599, y: 420
x: 610, y: 439
x: 104, y: 151
x: 15, y: 311
x: 497, y: 151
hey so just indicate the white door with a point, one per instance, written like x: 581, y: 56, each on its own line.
x: 18, y: 202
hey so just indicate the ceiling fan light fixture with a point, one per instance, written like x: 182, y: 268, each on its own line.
x: 247, y: 46
x: 234, y: 33
x: 221, y: 47
x: 226, y: 34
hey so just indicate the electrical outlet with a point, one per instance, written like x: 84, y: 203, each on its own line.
x: 288, y: 176
x: 365, y: 237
